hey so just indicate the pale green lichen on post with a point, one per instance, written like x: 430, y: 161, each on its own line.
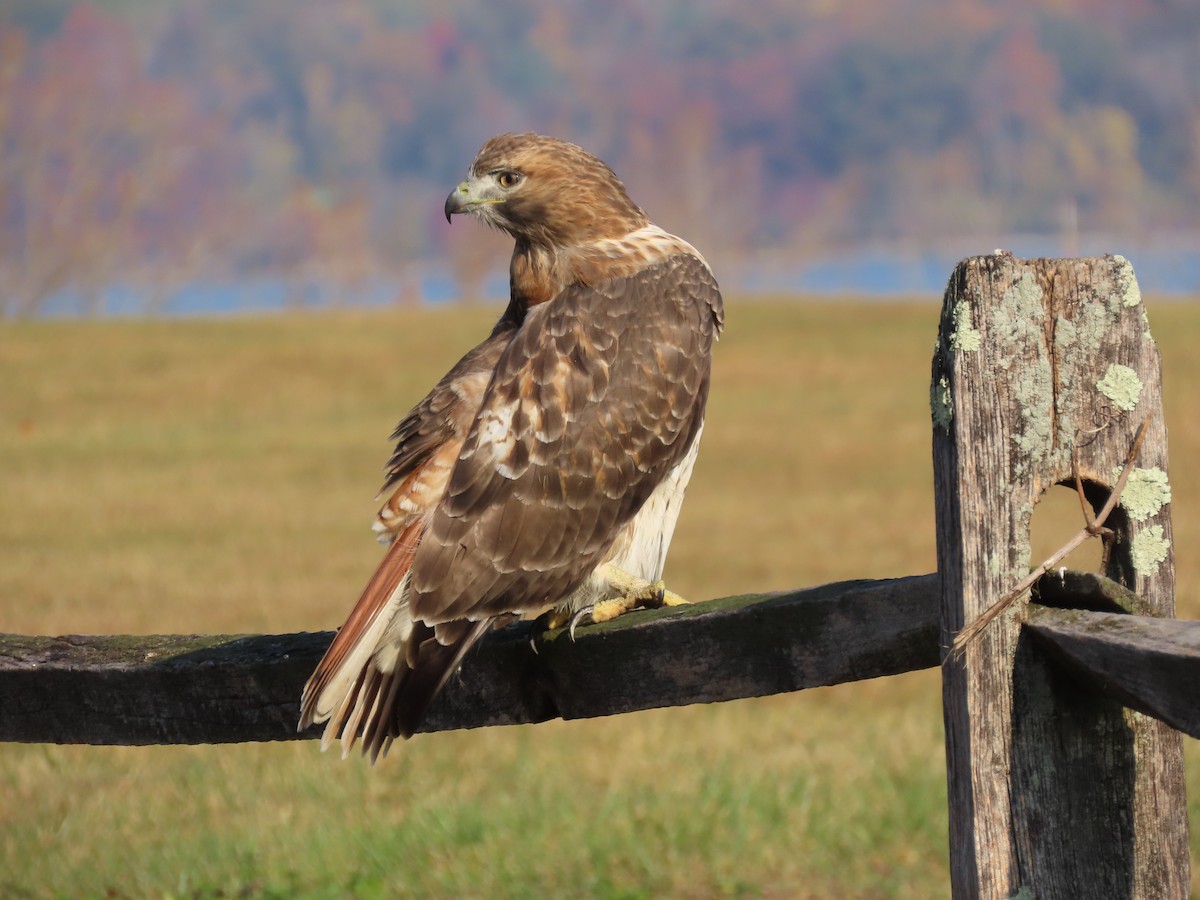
x: 940, y: 403
x: 1148, y: 550
x: 1146, y: 492
x: 1021, y: 548
x: 1127, y: 286
x: 1096, y: 314
x: 1035, y: 393
x: 1066, y: 336
x: 1122, y: 386
x: 964, y: 337
x: 1020, y: 308
x: 1091, y: 325
x: 1017, y: 329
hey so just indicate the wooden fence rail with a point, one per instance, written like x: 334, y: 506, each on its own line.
x: 1064, y: 760
x: 212, y: 689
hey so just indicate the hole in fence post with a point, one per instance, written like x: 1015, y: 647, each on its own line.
x: 1056, y: 519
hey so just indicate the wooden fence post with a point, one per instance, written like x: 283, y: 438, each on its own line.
x: 1053, y: 791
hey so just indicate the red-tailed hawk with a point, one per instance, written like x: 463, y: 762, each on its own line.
x: 545, y: 471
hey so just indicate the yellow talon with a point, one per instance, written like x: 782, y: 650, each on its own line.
x: 670, y: 598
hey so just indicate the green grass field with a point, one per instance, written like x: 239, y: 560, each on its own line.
x: 217, y: 476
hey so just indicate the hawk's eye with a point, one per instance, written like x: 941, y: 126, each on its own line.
x: 508, y: 179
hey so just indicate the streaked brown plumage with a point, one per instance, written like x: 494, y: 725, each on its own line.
x: 546, y: 469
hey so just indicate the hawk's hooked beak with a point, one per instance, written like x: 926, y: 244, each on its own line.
x: 470, y: 195
x: 459, y: 200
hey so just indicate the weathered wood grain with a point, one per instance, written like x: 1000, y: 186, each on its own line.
x: 1051, y: 792
x: 1148, y: 664
x: 213, y: 689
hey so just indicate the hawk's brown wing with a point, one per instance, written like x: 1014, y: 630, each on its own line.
x: 450, y: 406
x: 598, y: 396
x: 429, y: 437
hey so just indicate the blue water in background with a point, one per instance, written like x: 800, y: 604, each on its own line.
x: 257, y: 295
x: 880, y: 275
x: 1164, y: 270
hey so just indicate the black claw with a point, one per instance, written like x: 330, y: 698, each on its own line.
x: 577, y: 618
x: 537, y: 628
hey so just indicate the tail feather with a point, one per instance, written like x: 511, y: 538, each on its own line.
x: 339, y: 673
x: 384, y: 704
x: 359, y: 701
x: 435, y: 663
x: 383, y: 670
x: 377, y: 736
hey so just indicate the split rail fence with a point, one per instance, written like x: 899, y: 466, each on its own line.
x: 1062, y: 716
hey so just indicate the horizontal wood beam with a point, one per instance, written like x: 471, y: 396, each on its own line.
x: 1146, y: 663
x: 219, y: 688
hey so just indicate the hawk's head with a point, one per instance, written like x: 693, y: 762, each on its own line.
x: 546, y: 192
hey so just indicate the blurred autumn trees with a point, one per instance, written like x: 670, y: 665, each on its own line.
x: 150, y: 143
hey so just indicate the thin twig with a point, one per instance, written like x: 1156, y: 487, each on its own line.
x: 1088, y: 516
x: 1093, y: 528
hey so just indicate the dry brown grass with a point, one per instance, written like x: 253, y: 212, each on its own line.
x: 217, y: 476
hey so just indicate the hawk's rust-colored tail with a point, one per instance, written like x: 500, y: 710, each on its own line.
x: 382, y: 670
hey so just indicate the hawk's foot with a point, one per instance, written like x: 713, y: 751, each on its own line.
x: 635, y: 593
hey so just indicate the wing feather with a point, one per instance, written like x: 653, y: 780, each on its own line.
x: 448, y: 410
